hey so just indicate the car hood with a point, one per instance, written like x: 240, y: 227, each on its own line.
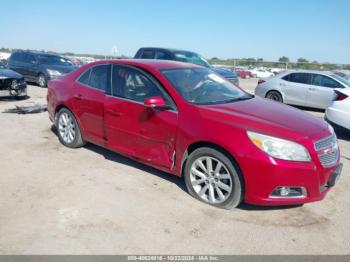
x: 8, y: 73
x: 224, y: 72
x: 267, y: 117
x: 61, y: 69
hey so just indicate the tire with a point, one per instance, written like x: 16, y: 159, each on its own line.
x: 275, y: 96
x: 205, y: 183
x: 68, y: 129
x: 42, y: 82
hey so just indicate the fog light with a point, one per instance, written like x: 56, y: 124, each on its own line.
x: 288, y: 192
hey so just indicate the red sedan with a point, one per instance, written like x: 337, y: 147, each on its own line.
x: 188, y: 121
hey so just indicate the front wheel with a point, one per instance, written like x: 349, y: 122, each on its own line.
x: 68, y: 129
x: 42, y: 82
x: 211, y: 177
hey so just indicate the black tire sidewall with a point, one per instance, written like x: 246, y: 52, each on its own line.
x: 237, y: 191
x: 276, y: 93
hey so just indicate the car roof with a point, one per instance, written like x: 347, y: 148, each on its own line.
x: 154, y: 63
x: 168, y: 49
x: 309, y: 72
x: 34, y: 52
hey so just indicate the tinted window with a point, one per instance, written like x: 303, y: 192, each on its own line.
x: 54, y: 60
x: 162, y: 55
x: 147, y: 54
x: 18, y: 57
x: 99, y: 77
x: 325, y: 81
x: 14, y: 57
x: 302, y: 78
x: 29, y: 58
x: 84, y: 78
x: 132, y: 84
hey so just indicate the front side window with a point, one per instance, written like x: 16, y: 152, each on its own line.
x: 202, y: 86
x: 302, y: 78
x: 132, y: 84
x: 325, y: 81
x: 96, y: 77
x: 189, y: 57
x: 147, y: 54
x: 162, y: 55
x: 54, y: 60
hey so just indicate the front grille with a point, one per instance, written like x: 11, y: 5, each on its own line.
x: 326, y: 143
x: 330, y: 154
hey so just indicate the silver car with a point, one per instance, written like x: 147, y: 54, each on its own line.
x: 302, y: 88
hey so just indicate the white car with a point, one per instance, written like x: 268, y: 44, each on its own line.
x: 302, y: 88
x: 261, y: 73
x: 339, y: 111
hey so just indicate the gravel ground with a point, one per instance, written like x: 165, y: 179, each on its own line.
x: 56, y: 200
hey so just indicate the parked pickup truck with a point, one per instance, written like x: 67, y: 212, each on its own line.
x: 184, y: 56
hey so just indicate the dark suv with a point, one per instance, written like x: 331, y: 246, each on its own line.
x: 39, y: 67
x: 184, y: 56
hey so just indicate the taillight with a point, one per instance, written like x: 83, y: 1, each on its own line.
x: 261, y: 81
x: 340, y: 96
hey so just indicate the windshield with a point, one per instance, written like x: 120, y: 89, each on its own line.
x: 54, y: 60
x: 202, y: 86
x: 2, y: 66
x: 189, y: 57
x: 341, y: 79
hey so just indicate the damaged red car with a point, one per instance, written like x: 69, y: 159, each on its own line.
x: 188, y: 121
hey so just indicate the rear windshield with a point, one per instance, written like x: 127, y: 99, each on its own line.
x: 341, y: 79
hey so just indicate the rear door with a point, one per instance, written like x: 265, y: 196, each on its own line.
x: 88, y: 101
x: 133, y: 129
x: 321, y: 91
x: 295, y: 87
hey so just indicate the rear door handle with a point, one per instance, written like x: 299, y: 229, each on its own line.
x: 78, y: 96
x: 113, y: 112
x: 312, y: 88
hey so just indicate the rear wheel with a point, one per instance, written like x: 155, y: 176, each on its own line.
x: 275, y: 96
x: 68, y: 129
x: 212, y: 178
x: 41, y: 80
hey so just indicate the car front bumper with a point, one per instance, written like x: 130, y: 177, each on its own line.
x: 19, y: 91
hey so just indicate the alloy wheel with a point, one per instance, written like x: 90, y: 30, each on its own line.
x: 211, y: 180
x: 66, y: 128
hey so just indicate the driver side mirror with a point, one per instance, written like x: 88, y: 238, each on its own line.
x: 155, y: 102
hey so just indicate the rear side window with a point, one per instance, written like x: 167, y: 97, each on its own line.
x: 162, y: 55
x: 84, y: 78
x: 17, y: 57
x: 96, y: 77
x: 147, y: 54
x: 302, y: 78
x: 325, y: 81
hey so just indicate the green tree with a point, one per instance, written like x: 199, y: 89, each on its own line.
x: 284, y: 59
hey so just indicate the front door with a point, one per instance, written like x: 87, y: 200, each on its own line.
x: 321, y: 91
x: 133, y: 129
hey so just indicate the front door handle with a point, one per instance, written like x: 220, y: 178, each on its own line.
x: 113, y: 112
x: 312, y: 88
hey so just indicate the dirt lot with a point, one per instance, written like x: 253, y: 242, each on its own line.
x: 56, y: 200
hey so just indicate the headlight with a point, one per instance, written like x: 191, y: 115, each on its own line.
x: 280, y: 148
x: 54, y: 72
